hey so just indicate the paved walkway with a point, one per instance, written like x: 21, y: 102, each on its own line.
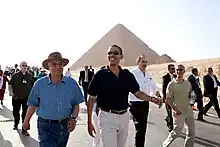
x: 207, y: 134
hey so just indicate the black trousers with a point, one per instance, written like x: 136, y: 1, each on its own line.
x: 85, y: 90
x: 213, y: 102
x: 17, y: 103
x: 139, y: 111
x: 200, y: 107
x: 169, y: 117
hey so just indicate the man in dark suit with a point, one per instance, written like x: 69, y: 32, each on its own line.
x: 84, y: 80
x: 165, y: 81
x: 211, y: 84
x: 196, y: 88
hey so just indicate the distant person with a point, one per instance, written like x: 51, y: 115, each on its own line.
x: 91, y: 69
x: 56, y: 99
x: 42, y: 73
x: 177, y: 98
x: 211, y: 84
x: 165, y: 81
x: 196, y: 89
x: 3, y: 80
x: 68, y: 73
x: 20, y: 87
x: 84, y: 79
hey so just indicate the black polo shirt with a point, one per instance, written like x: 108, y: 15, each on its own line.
x: 112, y: 91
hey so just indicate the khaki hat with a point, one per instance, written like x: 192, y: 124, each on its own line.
x: 54, y: 56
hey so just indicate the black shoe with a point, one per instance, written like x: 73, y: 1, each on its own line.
x: 1, y: 102
x: 170, y: 129
x: 15, y: 127
x: 201, y: 119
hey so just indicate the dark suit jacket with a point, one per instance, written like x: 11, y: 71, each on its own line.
x: 195, y: 87
x: 165, y: 81
x: 82, y: 76
x: 209, y: 84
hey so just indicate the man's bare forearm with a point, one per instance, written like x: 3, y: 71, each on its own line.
x: 142, y: 96
x: 90, y: 108
x: 169, y: 102
x: 75, y: 112
x: 31, y: 110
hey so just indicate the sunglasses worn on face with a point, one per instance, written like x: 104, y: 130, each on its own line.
x: 144, y: 61
x: 172, y: 68
x: 114, y: 53
x: 24, y: 65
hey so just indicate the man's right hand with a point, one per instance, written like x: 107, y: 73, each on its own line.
x: 91, y: 129
x: 26, y: 125
x: 176, y: 112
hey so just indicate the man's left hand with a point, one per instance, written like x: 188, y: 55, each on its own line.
x: 71, y: 125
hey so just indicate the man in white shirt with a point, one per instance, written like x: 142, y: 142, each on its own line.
x: 139, y: 109
x: 68, y: 73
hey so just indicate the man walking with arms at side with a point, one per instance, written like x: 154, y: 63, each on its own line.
x: 56, y: 99
x: 84, y: 79
x: 211, y: 84
x: 178, y: 93
x: 19, y: 88
x: 196, y: 89
x: 112, y: 86
x: 165, y: 81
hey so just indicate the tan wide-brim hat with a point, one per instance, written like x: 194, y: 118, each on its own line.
x: 55, y: 56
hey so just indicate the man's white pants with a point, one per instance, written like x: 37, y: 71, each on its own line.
x: 114, y: 129
x: 179, y: 122
x: 96, y: 140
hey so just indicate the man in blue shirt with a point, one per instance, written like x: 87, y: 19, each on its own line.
x: 56, y: 99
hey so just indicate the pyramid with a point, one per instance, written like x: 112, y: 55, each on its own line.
x: 132, y: 47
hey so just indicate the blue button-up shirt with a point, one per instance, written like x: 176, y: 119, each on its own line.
x: 55, y: 102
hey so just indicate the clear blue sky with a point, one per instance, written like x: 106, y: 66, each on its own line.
x: 183, y: 29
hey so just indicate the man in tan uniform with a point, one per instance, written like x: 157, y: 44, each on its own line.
x: 178, y: 93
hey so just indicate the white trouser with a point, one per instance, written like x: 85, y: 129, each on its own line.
x: 114, y: 129
x: 177, y: 130
x: 96, y: 140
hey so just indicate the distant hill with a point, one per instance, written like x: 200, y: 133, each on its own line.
x: 132, y: 47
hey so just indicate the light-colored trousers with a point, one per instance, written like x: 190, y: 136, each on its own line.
x: 179, y: 122
x: 96, y: 140
x: 114, y: 129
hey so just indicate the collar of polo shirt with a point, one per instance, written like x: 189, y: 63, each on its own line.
x: 110, y: 70
x: 62, y: 80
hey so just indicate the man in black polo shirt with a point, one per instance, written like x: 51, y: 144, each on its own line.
x: 112, y: 86
x: 20, y: 86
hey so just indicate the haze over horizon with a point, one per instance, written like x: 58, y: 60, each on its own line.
x: 30, y: 30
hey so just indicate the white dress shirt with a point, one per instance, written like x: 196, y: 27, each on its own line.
x: 214, y: 80
x: 86, y: 76
x: 146, y: 83
x: 68, y: 74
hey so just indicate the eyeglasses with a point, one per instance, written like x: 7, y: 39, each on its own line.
x: 24, y: 65
x: 114, y: 53
x: 144, y: 61
x: 172, y: 68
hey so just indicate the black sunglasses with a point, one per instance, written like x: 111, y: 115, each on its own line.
x: 114, y: 53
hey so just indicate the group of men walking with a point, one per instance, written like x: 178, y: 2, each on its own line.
x: 55, y: 98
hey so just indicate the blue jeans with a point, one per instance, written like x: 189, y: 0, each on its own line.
x: 52, y: 134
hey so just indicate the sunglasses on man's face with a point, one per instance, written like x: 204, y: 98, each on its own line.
x: 172, y: 68
x: 144, y: 61
x: 24, y: 65
x: 114, y: 53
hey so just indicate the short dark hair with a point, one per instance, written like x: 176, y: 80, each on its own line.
x: 194, y: 70
x: 1, y: 70
x: 115, y: 45
x: 170, y: 65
